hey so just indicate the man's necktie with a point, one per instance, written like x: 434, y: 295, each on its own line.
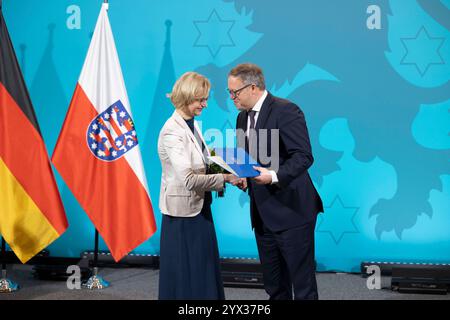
x: 252, y: 114
x: 251, y: 135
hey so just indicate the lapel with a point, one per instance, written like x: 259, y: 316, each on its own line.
x: 243, y: 121
x: 241, y: 128
x: 264, y: 112
x: 180, y: 121
x: 203, y: 140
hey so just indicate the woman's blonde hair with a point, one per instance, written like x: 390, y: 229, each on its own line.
x: 189, y: 87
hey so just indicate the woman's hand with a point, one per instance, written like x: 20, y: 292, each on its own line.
x: 241, y: 183
x: 230, y: 178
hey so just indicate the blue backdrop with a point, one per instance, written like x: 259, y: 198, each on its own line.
x: 371, y: 76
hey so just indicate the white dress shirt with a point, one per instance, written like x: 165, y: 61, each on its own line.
x: 257, y: 109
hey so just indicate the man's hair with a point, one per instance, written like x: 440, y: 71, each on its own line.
x: 249, y: 73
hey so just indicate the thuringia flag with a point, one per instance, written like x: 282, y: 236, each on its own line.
x: 98, y: 154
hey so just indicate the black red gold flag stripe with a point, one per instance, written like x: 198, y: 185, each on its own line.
x: 31, y: 212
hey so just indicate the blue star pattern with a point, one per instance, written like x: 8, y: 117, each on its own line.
x: 227, y: 125
x: 422, y: 51
x: 338, y: 220
x: 214, y: 33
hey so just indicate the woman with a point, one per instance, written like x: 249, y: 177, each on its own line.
x: 189, y: 257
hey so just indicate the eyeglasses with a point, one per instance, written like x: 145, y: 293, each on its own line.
x: 235, y: 93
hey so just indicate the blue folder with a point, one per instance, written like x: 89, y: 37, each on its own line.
x: 240, y: 161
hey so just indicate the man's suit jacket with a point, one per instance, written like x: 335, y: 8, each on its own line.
x: 294, y: 200
x: 184, y: 180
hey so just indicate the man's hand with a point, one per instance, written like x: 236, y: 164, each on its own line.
x: 264, y: 178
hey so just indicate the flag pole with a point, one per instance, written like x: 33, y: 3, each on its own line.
x: 96, y: 282
x: 6, y: 285
x: 3, y: 247
x: 96, y: 249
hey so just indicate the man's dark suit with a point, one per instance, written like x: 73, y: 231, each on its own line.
x: 284, y: 214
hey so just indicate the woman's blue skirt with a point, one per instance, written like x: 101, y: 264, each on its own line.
x: 189, y: 258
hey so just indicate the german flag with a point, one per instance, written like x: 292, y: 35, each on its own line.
x: 31, y: 212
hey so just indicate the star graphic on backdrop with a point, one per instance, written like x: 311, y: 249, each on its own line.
x: 227, y: 125
x: 338, y: 220
x: 422, y: 51
x: 214, y: 33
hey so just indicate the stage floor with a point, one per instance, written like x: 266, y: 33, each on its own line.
x: 142, y: 284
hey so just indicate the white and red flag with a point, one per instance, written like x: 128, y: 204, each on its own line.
x: 98, y: 154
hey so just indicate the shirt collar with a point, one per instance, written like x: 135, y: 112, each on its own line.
x: 259, y: 104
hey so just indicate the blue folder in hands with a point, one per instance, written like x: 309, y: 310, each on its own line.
x: 236, y: 161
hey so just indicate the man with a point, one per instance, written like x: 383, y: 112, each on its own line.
x: 283, y: 201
